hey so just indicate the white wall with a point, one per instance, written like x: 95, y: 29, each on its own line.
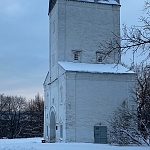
x: 91, y: 99
x: 83, y: 26
x: 46, y: 106
x: 53, y: 48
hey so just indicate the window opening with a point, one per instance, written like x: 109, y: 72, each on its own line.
x: 47, y: 130
x: 76, y: 56
x: 53, y: 59
x: 61, y: 95
x: 53, y: 26
x: 61, y: 131
x: 99, y: 57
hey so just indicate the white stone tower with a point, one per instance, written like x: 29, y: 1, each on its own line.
x: 78, y: 27
x: 80, y: 76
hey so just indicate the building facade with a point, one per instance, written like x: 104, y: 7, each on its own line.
x: 83, y: 87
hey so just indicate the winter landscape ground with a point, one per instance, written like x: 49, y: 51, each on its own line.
x: 36, y: 144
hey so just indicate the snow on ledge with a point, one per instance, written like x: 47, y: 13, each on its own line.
x: 102, y: 1
x: 94, y: 68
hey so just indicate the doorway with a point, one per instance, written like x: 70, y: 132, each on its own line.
x: 52, y: 128
x: 100, y: 134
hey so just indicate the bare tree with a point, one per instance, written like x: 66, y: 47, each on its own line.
x: 124, y: 127
x: 3, y: 104
x: 12, y: 108
x: 19, y: 118
x: 135, y: 39
x: 35, y: 109
x: 143, y: 100
x: 128, y: 127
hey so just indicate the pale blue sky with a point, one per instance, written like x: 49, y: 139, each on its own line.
x: 24, y: 40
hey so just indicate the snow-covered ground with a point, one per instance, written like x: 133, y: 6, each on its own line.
x: 35, y: 144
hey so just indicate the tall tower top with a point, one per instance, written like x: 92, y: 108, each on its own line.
x: 111, y: 2
x: 102, y: 1
x: 79, y: 28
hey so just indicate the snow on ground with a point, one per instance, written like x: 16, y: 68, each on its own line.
x: 36, y: 144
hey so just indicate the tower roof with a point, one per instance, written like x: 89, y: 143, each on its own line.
x: 112, y: 2
x: 102, y: 1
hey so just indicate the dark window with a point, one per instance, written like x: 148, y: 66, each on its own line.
x: 47, y: 130
x: 56, y: 127
x: 99, y: 57
x: 61, y: 131
x: 76, y: 56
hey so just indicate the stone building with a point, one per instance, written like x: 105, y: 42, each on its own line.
x: 83, y: 87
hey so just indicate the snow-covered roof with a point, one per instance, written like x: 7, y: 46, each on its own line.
x: 94, y: 68
x: 102, y: 1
